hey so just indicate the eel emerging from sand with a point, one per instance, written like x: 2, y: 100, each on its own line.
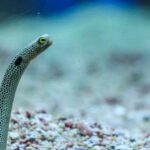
x: 11, y: 79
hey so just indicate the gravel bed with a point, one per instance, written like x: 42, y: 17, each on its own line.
x: 39, y: 130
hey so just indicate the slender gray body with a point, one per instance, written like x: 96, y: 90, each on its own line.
x: 11, y: 79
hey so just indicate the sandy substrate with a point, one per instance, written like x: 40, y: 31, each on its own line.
x: 93, y: 83
x: 38, y: 130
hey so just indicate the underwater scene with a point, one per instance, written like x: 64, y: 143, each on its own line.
x: 75, y: 75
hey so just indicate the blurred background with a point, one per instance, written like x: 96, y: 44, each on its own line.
x: 52, y: 7
x: 99, y: 65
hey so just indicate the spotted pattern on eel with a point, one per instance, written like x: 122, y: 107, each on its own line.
x: 11, y: 79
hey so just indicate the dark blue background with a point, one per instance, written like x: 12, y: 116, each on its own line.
x: 57, y: 6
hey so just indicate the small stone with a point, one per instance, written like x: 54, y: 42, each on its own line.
x: 14, y: 135
x: 84, y: 130
x: 68, y: 124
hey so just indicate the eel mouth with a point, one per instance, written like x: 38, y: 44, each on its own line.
x: 50, y: 42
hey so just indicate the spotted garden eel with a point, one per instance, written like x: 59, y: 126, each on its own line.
x: 11, y: 79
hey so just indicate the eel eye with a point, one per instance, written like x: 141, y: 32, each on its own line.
x: 42, y: 41
x: 18, y: 61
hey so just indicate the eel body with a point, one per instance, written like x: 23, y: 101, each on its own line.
x: 11, y: 79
